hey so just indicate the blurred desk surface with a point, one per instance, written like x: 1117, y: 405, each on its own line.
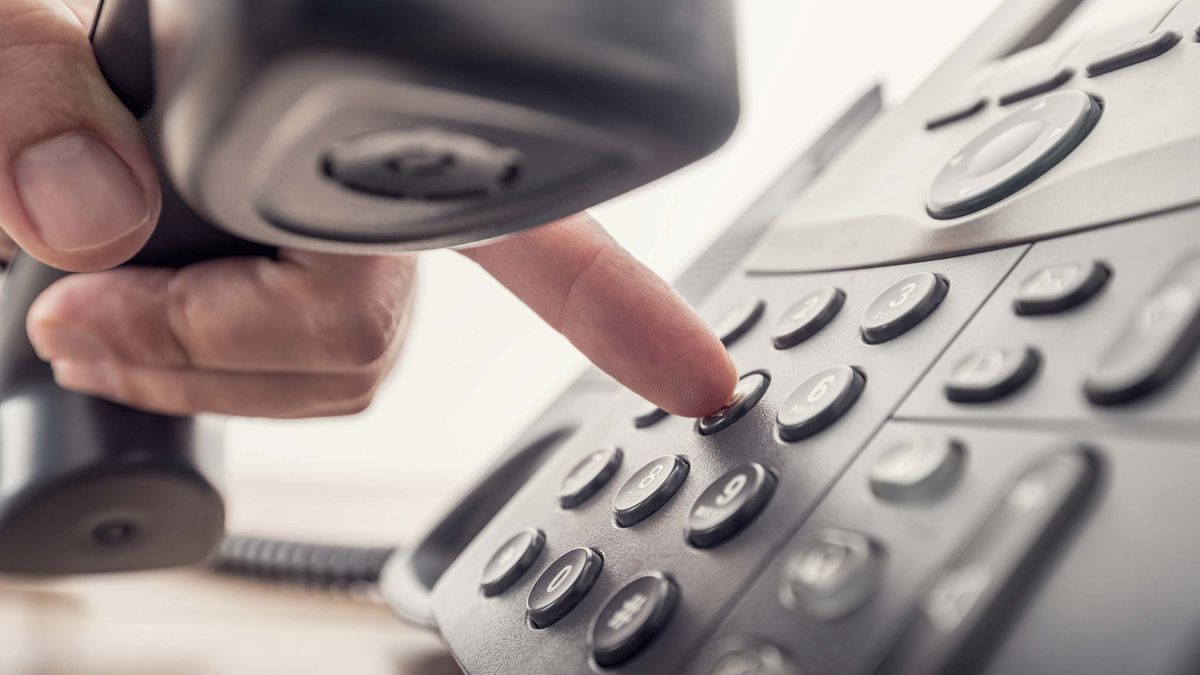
x: 191, y: 622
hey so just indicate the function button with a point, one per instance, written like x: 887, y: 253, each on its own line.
x: 648, y: 415
x: 647, y: 490
x: 740, y: 655
x: 588, y: 476
x: 819, y: 402
x: 562, y: 585
x: 1057, y: 288
x: 632, y: 618
x: 960, y: 111
x: 1136, y: 51
x: 1156, y: 344
x: 738, y: 321
x: 511, y: 561
x: 919, y: 469
x: 1047, y: 82
x: 808, y: 316
x: 832, y: 575
x: 902, y: 306
x: 729, y: 504
x: 749, y: 391
x: 1001, y: 554
x: 991, y: 373
x: 1012, y: 153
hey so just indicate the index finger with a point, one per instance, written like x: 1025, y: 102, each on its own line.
x: 621, y: 315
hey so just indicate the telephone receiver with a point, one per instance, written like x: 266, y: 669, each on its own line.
x: 340, y: 127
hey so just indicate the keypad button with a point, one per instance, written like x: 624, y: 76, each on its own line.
x: 650, y: 414
x: 740, y: 655
x: 1142, y: 49
x: 959, y: 111
x: 808, y: 316
x: 729, y: 504
x: 902, y: 306
x: 738, y: 320
x: 647, y: 490
x: 1155, y: 345
x: 588, y: 476
x: 1057, y: 288
x: 632, y: 618
x: 511, y: 561
x: 991, y: 373
x: 1012, y: 153
x: 749, y: 391
x: 819, y: 402
x: 831, y: 575
x: 562, y: 585
x: 918, y: 469
x: 1047, y: 82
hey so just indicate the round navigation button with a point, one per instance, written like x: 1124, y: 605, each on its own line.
x: 729, y: 504
x: 991, y: 373
x: 807, y: 316
x: 819, y: 402
x: 831, y: 575
x: 562, y: 585
x: 648, y: 489
x: 902, y: 306
x: 1012, y: 153
x: 589, y: 475
x: 511, y: 561
x: 749, y: 391
x: 632, y: 618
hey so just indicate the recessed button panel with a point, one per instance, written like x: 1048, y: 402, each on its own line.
x: 1141, y: 49
x: 588, y: 476
x: 1156, y: 343
x: 1012, y: 153
x: 738, y: 320
x: 741, y: 655
x: 1057, y: 288
x: 749, y: 391
x: 819, y: 402
x: 918, y: 469
x: 807, y: 316
x: 647, y: 490
x: 902, y: 306
x: 991, y: 373
x: 632, y: 618
x: 1039, y: 85
x: 562, y: 585
x: 511, y: 561
x: 831, y: 575
x: 729, y: 504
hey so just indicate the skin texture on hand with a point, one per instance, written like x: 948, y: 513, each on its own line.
x: 308, y: 334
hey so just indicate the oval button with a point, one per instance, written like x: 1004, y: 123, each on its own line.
x: 647, y: 490
x: 562, y: 585
x: 819, y: 402
x: 729, y: 504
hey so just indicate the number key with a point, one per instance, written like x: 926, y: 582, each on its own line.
x: 729, y: 504
x: 819, y: 402
x: 902, y: 306
x: 647, y: 490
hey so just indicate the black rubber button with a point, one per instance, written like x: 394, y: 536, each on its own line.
x: 819, y: 402
x: 632, y: 618
x: 588, y: 476
x: 647, y: 490
x: 961, y: 111
x: 1012, y: 153
x: 991, y: 373
x: 1048, y: 82
x: 918, y: 469
x: 741, y: 655
x: 511, y: 561
x: 808, y: 316
x: 648, y: 416
x: 1057, y: 288
x: 1142, y: 49
x: 562, y: 585
x: 1155, y: 345
x: 749, y: 391
x: 738, y: 320
x: 729, y: 504
x: 902, y: 306
x: 832, y: 574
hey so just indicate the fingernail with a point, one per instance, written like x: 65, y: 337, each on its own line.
x: 86, y: 377
x: 55, y: 341
x: 78, y: 192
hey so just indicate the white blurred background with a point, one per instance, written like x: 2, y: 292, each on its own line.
x: 479, y: 366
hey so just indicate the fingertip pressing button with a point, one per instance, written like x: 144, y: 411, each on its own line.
x: 749, y: 392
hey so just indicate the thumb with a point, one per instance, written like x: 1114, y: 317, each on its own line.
x: 78, y: 188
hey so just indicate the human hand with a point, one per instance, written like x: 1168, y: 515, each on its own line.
x: 305, y: 335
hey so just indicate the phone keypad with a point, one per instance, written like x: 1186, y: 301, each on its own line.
x: 749, y: 391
